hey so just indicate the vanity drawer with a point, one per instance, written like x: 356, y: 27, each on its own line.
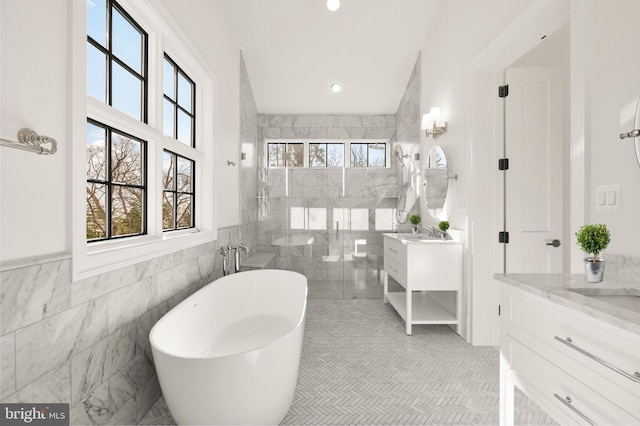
x: 396, y: 269
x: 544, y: 380
x: 600, y: 355
x: 395, y: 250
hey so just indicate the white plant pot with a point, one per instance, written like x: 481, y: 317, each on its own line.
x: 594, y: 270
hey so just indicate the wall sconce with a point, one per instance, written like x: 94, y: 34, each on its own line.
x: 433, y: 124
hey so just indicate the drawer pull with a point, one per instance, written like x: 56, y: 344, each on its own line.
x: 393, y: 251
x: 567, y: 402
x: 634, y: 377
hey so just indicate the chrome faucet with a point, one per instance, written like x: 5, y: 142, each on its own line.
x: 433, y: 231
x: 238, y: 247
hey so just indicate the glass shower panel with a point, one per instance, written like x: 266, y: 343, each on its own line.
x: 312, y: 239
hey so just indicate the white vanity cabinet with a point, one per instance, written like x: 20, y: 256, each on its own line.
x: 580, y: 367
x: 430, y: 270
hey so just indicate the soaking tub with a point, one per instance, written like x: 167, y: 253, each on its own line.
x: 229, y: 354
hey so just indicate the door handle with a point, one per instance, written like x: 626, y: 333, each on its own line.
x: 555, y: 243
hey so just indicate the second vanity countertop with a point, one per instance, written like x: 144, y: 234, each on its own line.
x: 420, y: 238
x: 558, y: 288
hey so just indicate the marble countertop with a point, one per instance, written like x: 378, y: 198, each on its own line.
x: 572, y: 291
x: 420, y: 238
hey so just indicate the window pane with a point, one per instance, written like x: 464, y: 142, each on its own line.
x: 96, y: 148
x: 168, y: 181
x: 184, y: 128
x: 296, y: 158
x: 167, y: 210
x: 317, y: 155
x: 276, y: 154
x: 377, y: 155
x: 185, y: 174
x: 184, y: 211
x: 126, y: 92
x: 96, y: 73
x: 335, y: 155
x: 96, y: 211
x: 358, y: 155
x: 126, y: 211
x: 97, y: 21
x: 126, y: 160
x: 168, y: 118
x: 126, y: 42
x: 185, y: 92
x: 168, y: 78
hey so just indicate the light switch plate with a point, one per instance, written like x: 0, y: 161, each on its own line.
x: 608, y: 197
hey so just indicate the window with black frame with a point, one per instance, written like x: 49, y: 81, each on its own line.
x: 178, y: 195
x: 368, y: 154
x: 178, y: 109
x: 116, y: 59
x: 116, y: 183
x: 284, y: 154
x: 326, y: 154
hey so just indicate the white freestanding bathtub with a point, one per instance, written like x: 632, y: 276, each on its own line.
x: 229, y: 354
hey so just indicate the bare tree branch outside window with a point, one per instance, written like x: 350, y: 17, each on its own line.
x: 115, y: 184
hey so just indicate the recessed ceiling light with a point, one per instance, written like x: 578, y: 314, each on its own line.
x: 336, y: 87
x: 333, y: 5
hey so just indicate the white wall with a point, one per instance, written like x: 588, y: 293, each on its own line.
x: 460, y: 31
x: 204, y: 23
x: 613, y: 87
x: 35, y: 190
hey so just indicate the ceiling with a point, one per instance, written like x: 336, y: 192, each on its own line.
x: 295, y: 49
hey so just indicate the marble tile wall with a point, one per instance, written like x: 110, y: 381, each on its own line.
x: 408, y: 118
x: 248, y: 147
x: 339, y: 263
x: 622, y: 266
x: 86, y: 342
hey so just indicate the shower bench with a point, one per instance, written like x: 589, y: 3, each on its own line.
x: 258, y: 260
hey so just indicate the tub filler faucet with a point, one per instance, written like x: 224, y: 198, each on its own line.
x: 226, y: 252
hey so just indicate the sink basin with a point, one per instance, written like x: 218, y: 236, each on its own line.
x: 621, y: 298
x: 418, y: 237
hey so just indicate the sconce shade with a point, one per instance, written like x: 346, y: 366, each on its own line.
x: 433, y: 124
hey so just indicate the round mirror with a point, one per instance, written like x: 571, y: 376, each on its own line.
x: 436, y: 180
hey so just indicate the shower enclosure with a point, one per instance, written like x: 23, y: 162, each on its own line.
x: 327, y: 222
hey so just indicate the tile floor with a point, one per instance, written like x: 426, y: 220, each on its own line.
x: 359, y: 368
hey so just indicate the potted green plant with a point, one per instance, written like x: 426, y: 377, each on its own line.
x: 415, y: 220
x: 444, y: 226
x: 593, y: 240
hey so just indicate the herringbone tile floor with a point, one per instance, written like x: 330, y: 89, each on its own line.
x: 359, y: 368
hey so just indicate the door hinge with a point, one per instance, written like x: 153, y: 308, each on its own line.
x: 503, y: 91
x: 498, y: 310
x: 503, y: 164
x: 503, y: 237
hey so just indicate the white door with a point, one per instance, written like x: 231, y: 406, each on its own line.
x: 534, y: 180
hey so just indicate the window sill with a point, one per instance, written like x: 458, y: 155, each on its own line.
x: 106, y: 256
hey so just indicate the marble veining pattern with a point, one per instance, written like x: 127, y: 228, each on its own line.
x: 32, y: 294
x: 90, y: 288
x: 53, y: 386
x: 43, y: 345
x: 128, y: 303
x: 93, y: 350
x: 7, y: 364
x: 622, y: 266
x: 557, y: 288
